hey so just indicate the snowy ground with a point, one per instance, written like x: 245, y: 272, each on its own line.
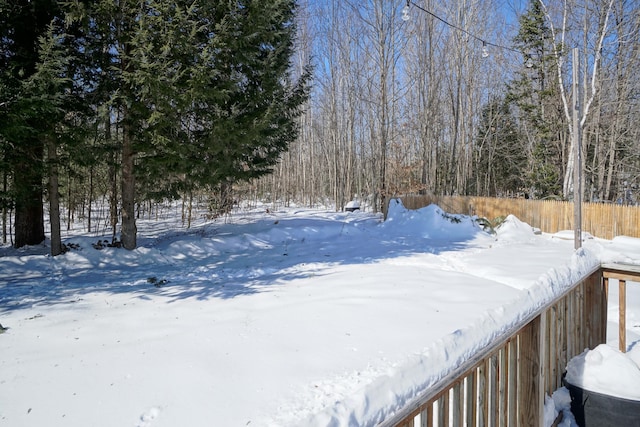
x: 294, y: 317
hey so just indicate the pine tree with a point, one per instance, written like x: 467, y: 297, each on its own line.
x: 244, y: 102
x: 500, y: 160
x: 537, y: 102
x: 22, y: 130
x: 201, y: 90
x: 49, y: 96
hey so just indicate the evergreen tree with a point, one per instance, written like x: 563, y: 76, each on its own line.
x: 22, y: 130
x: 199, y: 94
x: 500, y: 160
x: 537, y: 102
x: 241, y: 100
x: 47, y: 89
x: 201, y: 91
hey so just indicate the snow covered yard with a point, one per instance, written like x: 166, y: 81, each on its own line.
x: 296, y: 317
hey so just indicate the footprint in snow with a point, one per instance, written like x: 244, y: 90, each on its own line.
x: 147, y: 418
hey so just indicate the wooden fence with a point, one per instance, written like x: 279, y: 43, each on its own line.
x: 600, y: 219
x: 504, y: 385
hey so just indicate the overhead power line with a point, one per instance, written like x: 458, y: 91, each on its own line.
x: 485, y: 43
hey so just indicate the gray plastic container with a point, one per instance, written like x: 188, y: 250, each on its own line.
x: 593, y: 409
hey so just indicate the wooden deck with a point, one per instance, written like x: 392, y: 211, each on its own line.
x: 504, y: 385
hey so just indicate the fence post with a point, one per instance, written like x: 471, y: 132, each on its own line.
x: 530, y: 374
x: 622, y: 327
x: 596, y: 310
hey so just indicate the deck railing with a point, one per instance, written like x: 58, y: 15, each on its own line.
x: 505, y: 384
x: 621, y: 273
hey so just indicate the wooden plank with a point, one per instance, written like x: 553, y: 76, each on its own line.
x: 630, y: 270
x: 577, y: 322
x: 563, y: 336
x: 443, y: 411
x: 569, y: 321
x: 424, y: 418
x: 604, y: 310
x: 549, y: 350
x: 493, y: 390
x: 596, y: 311
x: 471, y: 393
x: 502, y: 387
x: 482, y: 410
x: 582, y: 332
x: 513, y: 380
x: 446, y: 415
x: 622, y: 313
x: 621, y: 275
x: 457, y: 410
x: 557, y: 347
x: 530, y: 377
x: 591, y: 318
x: 429, y: 416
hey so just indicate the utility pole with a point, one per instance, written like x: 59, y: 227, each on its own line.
x: 577, y: 143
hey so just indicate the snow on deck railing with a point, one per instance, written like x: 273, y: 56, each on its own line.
x: 505, y: 384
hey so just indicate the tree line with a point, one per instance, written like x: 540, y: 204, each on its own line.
x: 466, y: 98
x: 139, y: 100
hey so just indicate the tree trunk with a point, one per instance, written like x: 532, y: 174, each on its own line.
x: 113, y: 178
x: 5, y: 208
x: 29, y: 220
x: 90, y: 198
x: 31, y: 23
x: 129, y: 230
x: 54, y: 199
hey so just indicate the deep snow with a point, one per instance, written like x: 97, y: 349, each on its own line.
x: 286, y: 317
x: 608, y: 371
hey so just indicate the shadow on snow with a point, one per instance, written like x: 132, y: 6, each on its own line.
x: 228, y: 261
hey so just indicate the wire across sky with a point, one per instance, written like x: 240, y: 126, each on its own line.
x: 444, y: 21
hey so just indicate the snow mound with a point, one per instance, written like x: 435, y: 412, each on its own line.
x: 607, y: 371
x: 430, y: 222
x: 560, y: 401
x: 512, y: 229
x: 632, y: 242
x: 621, y: 249
x: 570, y: 235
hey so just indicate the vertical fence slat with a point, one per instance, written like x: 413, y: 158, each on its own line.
x: 513, y: 380
x: 569, y: 312
x: 604, y: 312
x: 530, y: 380
x: 440, y: 410
x: 503, y: 386
x: 482, y: 409
x: 561, y: 333
x: 493, y: 390
x: 426, y: 416
x: 622, y: 329
x: 581, y: 325
x: 471, y: 398
x: 554, y: 343
x: 583, y: 315
x: 457, y: 410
